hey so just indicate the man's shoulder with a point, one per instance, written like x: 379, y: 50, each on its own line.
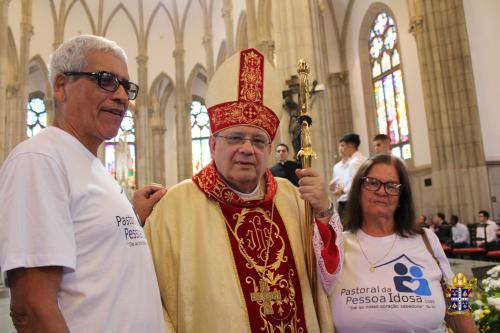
x: 293, y: 164
x: 43, y: 145
x: 276, y: 166
x: 357, y: 158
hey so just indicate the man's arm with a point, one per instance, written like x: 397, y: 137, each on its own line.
x: 145, y: 198
x: 33, y: 305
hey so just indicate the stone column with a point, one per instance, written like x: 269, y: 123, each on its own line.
x: 4, y: 45
x: 144, y: 158
x: 227, y: 15
x: 459, y: 174
x: 159, y: 168
x: 19, y: 114
x: 251, y: 23
x: 184, y: 154
x: 209, y: 51
x: 341, y: 112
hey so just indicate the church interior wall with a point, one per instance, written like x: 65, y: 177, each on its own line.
x: 193, y: 38
x: 412, y: 79
x: 121, y: 30
x: 291, y: 33
x: 160, y: 45
x: 483, y: 28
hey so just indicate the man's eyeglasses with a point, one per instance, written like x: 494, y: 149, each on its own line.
x: 109, y: 82
x: 373, y: 184
x: 234, y: 140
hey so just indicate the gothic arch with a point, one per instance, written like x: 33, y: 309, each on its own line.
x: 197, y: 82
x: 155, y: 12
x: 242, y: 33
x: 37, y: 63
x: 222, y: 54
x: 87, y: 11
x: 160, y: 93
x: 112, y: 15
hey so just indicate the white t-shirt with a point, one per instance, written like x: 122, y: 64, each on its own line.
x: 491, y: 231
x: 344, y: 172
x: 61, y: 207
x: 460, y: 233
x: 403, y: 294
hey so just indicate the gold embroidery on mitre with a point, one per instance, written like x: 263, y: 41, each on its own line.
x: 251, y: 77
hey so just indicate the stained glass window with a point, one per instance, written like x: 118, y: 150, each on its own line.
x: 119, y: 154
x: 200, y: 132
x: 36, y: 117
x: 388, y: 87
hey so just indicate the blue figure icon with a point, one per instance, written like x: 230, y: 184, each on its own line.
x: 423, y: 285
x: 399, y: 279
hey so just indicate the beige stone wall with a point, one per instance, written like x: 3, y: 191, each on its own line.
x: 170, y: 43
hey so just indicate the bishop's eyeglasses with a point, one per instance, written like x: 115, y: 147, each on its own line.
x: 373, y: 184
x: 234, y: 139
x: 109, y: 82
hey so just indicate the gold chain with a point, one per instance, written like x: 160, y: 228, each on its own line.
x: 372, y: 264
x: 245, y: 253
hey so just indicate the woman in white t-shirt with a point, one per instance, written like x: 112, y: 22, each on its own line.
x: 390, y: 282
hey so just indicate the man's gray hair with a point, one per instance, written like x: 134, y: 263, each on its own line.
x: 72, y: 54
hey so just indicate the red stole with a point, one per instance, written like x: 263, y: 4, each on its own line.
x: 262, y: 254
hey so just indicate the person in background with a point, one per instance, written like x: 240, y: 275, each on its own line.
x: 285, y: 168
x: 422, y: 221
x: 442, y: 228
x: 460, y: 233
x: 381, y: 144
x: 486, y: 231
x: 344, y: 171
x: 72, y: 248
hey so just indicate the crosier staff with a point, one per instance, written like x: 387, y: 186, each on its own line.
x: 306, y: 153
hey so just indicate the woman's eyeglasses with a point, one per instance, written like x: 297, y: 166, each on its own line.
x: 109, y: 82
x: 373, y: 184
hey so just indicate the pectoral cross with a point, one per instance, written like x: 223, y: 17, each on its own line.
x: 265, y: 296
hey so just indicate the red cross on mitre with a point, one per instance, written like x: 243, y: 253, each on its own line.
x: 249, y: 109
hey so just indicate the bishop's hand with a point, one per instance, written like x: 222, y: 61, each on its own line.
x: 312, y: 189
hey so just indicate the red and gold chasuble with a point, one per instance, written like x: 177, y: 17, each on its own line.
x: 262, y: 255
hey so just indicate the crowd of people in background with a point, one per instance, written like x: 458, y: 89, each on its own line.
x: 486, y: 232
x: 481, y: 233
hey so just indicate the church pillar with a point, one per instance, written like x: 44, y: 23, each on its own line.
x: 184, y: 158
x: 209, y: 51
x: 18, y: 123
x: 251, y: 23
x: 341, y: 112
x: 142, y: 130
x: 159, y: 168
x: 459, y: 174
x: 4, y: 9
x: 227, y: 15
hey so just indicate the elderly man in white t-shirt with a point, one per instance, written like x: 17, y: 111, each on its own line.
x: 72, y: 249
x: 344, y: 171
